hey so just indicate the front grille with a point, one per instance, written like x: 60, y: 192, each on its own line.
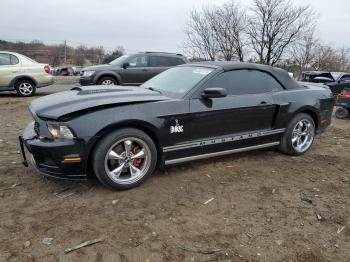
x: 36, y: 128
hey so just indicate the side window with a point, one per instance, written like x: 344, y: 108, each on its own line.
x: 241, y: 82
x: 160, y: 61
x: 14, y: 60
x: 5, y: 59
x: 138, y: 61
x: 219, y: 81
x: 273, y: 84
x: 176, y: 61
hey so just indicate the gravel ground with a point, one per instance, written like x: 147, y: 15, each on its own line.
x: 255, y: 212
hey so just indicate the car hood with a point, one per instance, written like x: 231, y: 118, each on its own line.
x: 81, y: 98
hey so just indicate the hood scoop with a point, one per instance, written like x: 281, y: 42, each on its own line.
x: 97, y: 91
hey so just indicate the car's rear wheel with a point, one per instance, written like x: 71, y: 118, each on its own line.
x: 25, y: 88
x: 299, y: 135
x: 107, y: 81
x: 342, y: 113
x: 124, y: 158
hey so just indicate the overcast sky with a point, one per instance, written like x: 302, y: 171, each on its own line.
x: 143, y: 25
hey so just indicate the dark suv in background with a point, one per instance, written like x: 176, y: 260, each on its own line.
x: 130, y: 69
x: 336, y: 81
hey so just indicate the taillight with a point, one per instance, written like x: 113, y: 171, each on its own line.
x: 47, y: 69
x: 344, y: 94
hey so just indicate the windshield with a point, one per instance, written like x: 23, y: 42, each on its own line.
x: 177, y: 81
x: 119, y: 60
x: 336, y: 75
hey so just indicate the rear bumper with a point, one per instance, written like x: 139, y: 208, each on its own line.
x: 343, y: 102
x: 46, y: 81
x: 49, y: 157
x: 325, y: 114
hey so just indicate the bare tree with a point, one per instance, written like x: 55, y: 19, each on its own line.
x: 200, y: 36
x: 303, y: 53
x: 276, y: 24
x: 228, y: 23
x: 311, y: 54
x: 118, y: 52
x: 344, y: 61
x: 330, y: 59
x: 217, y: 31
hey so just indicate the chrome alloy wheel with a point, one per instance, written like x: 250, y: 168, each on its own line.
x: 107, y: 82
x: 303, y: 135
x: 128, y: 160
x: 25, y: 88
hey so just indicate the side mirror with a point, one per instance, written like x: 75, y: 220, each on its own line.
x: 125, y: 65
x: 214, y: 92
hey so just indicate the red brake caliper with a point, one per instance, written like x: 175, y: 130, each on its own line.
x: 135, y: 150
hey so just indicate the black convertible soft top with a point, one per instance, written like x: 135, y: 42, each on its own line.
x: 280, y: 74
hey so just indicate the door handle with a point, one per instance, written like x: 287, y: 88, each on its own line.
x: 14, y: 71
x: 263, y: 103
x: 144, y: 70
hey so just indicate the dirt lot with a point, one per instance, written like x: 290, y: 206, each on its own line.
x: 256, y: 212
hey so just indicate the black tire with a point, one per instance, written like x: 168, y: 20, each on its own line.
x: 107, y: 80
x: 288, y: 144
x: 342, y: 113
x: 25, y: 87
x: 103, y: 165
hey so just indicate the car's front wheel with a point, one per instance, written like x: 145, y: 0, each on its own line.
x: 299, y: 135
x: 125, y: 158
x: 25, y: 88
x: 107, y: 81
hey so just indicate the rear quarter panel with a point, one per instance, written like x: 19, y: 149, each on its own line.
x: 316, y: 101
x: 37, y: 72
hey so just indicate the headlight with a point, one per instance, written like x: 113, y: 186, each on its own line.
x: 60, y: 131
x: 88, y: 73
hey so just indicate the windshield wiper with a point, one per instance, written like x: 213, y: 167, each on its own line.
x: 151, y: 88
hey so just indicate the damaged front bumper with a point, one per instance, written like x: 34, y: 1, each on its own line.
x: 59, y: 158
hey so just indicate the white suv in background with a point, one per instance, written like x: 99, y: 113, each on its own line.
x: 22, y: 74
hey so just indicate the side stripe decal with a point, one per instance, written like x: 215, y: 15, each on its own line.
x: 226, y: 139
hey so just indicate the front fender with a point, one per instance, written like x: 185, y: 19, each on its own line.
x: 144, y: 126
x: 100, y: 74
x: 136, y: 123
x: 95, y: 125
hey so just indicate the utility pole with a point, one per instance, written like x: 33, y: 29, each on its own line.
x: 65, y: 52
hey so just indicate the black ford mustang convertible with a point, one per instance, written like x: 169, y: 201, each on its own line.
x: 189, y: 112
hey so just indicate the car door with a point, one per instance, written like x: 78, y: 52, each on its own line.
x: 247, y: 108
x: 9, y: 68
x: 137, y: 72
